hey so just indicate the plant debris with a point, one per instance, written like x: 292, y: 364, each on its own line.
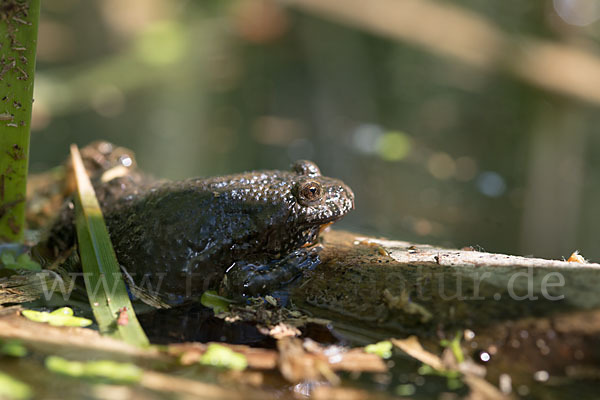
x: 577, y: 258
x: 455, y: 373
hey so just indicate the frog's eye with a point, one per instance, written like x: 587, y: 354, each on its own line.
x: 310, y: 192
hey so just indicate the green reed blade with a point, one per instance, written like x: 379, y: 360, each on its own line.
x: 18, y: 42
x: 103, y: 280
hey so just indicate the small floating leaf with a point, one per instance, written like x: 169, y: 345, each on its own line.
x: 36, y: 316
x: 12, y: 348
x: 61, y: 317
x: 382, y: 349
x: 10, y: 388
x: 58, y: 320
x: 8, y: 259
x: 211, y: 299
x: 453, y: 377
x: 217, y: 355
x: 102, y: 370
x: 118, y: 372
x: 429, y: 370
x: 454, y: 383
x: 405, y: 390
x: 63, y: 311
x: 21, y: 262
x: 62, y: 366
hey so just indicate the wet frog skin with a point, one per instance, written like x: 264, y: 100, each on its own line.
x: 245, y: 234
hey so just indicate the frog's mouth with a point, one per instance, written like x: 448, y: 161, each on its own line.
x: 315, y: 235
x: 323, y: 227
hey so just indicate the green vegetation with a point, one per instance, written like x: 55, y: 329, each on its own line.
x: 10, y: 388
x: 19, y: 25
x: 104, y: 283
x: 211, y: 299
x: 60, y: 317
x: 453, y: 377
x: 454, y: 346
x: 12, y: 348
x: 217, y: 355
x: 382, y: 349
x: 23, y: 261
x: 104, y: 370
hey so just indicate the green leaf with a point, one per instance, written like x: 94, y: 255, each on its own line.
x: 405, y: 390
x: 22, y: 262
x: 19, y: 26
x: 104, y: 370
x: 454, y: 346
x: 217, y: 355
x: 61, y: 317
x: 10, y: 388
x: 453, y: 377
x: 104, y: 283
x: 382, y: 349
x: 63, y: 311
x: 12, y: 348
x: 211, y: 299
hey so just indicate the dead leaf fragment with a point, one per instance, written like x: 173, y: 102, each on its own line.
x: 480, y: 388
x: 296, y: 365
x: 413, y: 348
x: 577, y: 258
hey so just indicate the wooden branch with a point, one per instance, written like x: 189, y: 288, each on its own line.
x: 374, y: 288
x: 469, y: 38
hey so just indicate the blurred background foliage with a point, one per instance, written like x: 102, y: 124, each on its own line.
x: 463, y: 122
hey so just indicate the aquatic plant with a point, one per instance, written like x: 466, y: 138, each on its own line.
x: 18, y: 42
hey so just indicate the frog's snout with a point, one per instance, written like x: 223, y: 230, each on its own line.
x: 349, y: 197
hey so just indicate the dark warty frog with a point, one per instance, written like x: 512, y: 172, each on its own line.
x: 245, y: 235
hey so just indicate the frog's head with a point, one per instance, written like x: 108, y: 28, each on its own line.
x: 319, y: 200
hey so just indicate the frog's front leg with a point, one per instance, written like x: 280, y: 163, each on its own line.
x: 250, y: 279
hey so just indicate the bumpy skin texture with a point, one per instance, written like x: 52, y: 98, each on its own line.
x: 180, y: 238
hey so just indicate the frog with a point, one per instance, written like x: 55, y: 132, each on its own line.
x: 243, y: 235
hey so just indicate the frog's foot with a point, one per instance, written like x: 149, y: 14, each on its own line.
x: 250, y: 279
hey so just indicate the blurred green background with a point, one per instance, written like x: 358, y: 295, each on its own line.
x: 456, y: 123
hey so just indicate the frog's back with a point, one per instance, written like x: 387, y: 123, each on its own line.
x: 195, y: 228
